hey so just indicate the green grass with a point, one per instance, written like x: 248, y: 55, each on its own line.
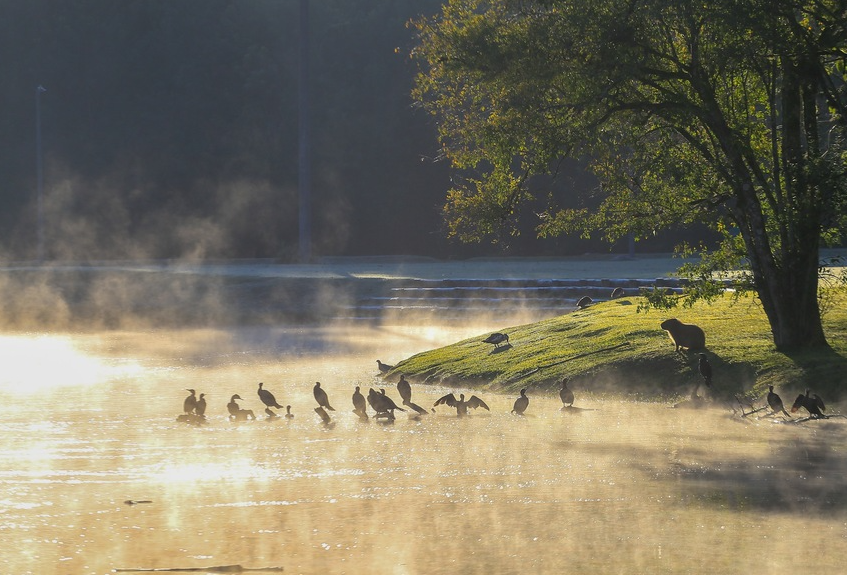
x: 611, y: 347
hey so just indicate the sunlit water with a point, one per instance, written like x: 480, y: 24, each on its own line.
x: 621, y: 487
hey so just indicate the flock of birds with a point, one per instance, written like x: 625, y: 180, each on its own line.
x: 382, y: 405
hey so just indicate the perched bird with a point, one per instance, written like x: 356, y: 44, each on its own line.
x: 584, y: 302
x: 288, y: 413
x: 360, y: 406
x: 268, y: 399
x: 566, y: 394
x: 382, y: 404
x: 460, y: 404
x: 775, y: 402
x: 235, y: 411
x: 497, y: 338
x: 190, y: 403
x: 404, y: 389
x: 388, y: 402
x: 705, y: 369
x: 200, y: 407
x: 521, y: 403
x: 617, y: 292
x: 384, y: 367
x: 812, y: 405
x: 321, y: 396
x: 818, y: 401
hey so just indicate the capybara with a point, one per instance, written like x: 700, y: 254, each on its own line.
x: 684, y: 335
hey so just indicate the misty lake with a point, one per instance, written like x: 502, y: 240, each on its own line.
x: 622, y: 486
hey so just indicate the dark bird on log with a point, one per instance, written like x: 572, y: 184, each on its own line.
x: 521, y: 403
x: 288, y: 413
x: 268, y: 399
x: 460, y: 404
x: 360, y: 407
x: 818, y: 401
x: 190, y: 403
x: 383, y: 405
x: 617, y: 292
x: 497, y: 338
x: 200, y: 407
x: 321, y: 396
x: 809, y: 404
x: 384, y: 367
x: 705, y: 369
x: 775, y: 402
x: 584, y: 302
x: 566, y: 394
x: 235, y: 411
x: 404, y: 389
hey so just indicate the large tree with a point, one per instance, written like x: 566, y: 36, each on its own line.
x: 728, y: 112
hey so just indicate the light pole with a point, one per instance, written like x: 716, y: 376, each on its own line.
x: 39, y: 172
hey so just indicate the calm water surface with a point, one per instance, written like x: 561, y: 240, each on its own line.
x: 622, y: 487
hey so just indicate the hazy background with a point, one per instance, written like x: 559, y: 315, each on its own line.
x: 170, y: 130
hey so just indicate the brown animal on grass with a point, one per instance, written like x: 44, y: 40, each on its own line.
x: 684, y: 335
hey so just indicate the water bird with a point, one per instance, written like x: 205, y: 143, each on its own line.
x: 404, y: 389
x: 190, y: 403
x: 288, y: 413
x: 497, y: 338
x: 235, y: 411
x: 268, y: 399
x: 200, y: 407
x: 383, y: 405
x: 566, y: 394
x: 460, y: 404
x: 584, y: 302
x: 814, y: 405
x: 775, y: 402
x: 521, y: 403
x: 384, y: 367
x: 705, y: 369
x: 360, y: 406
x: 321, y: 396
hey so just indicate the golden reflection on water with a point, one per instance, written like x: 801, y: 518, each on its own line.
x: 622, y: 487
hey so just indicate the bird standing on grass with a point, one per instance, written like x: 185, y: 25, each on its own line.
x: 521, y: 403
x: 321, y: 396
x: 497, y: 338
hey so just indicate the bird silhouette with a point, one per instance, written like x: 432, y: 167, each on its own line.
x: 268, y: 399
x: 360, y: 406
x: 321, y: 396
x: 775, y: 402
x: 404, y: 389
x: 705, y: 369
x: 288, y: 413
x: 200, y: 407
x: 521, y: 403
x: 383, y: 405
x: 235, y: 411
x: 497, y: 338
x: 810, y: 404
x: 384, y: 367
x: 460, y: 404
x: 566, y: 394
x: 190, y: 403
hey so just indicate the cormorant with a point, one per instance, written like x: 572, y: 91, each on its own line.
x: 360, y: 406
x: 775, y: 402
x: 521, y: 403
x: 200, y: 407
x: 566, y: 394
x: 384, y: 367
x: 812, y: 405
x: 382, y: 404
x: 705, y: 369
x: 404, y: 389
x: 190, y: 403
x: 235, y: 411
x: 321, y: 396
x: 288, y: 413
x: 497, y: 338
x: 268, y: 399
x: 460, y: 404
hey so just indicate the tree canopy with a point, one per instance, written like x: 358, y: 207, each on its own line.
x: 729, y: 112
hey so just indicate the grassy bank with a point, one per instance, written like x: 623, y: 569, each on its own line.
x: 611, y: 347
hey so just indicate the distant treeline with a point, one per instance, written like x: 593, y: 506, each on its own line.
x: 170, y: 129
